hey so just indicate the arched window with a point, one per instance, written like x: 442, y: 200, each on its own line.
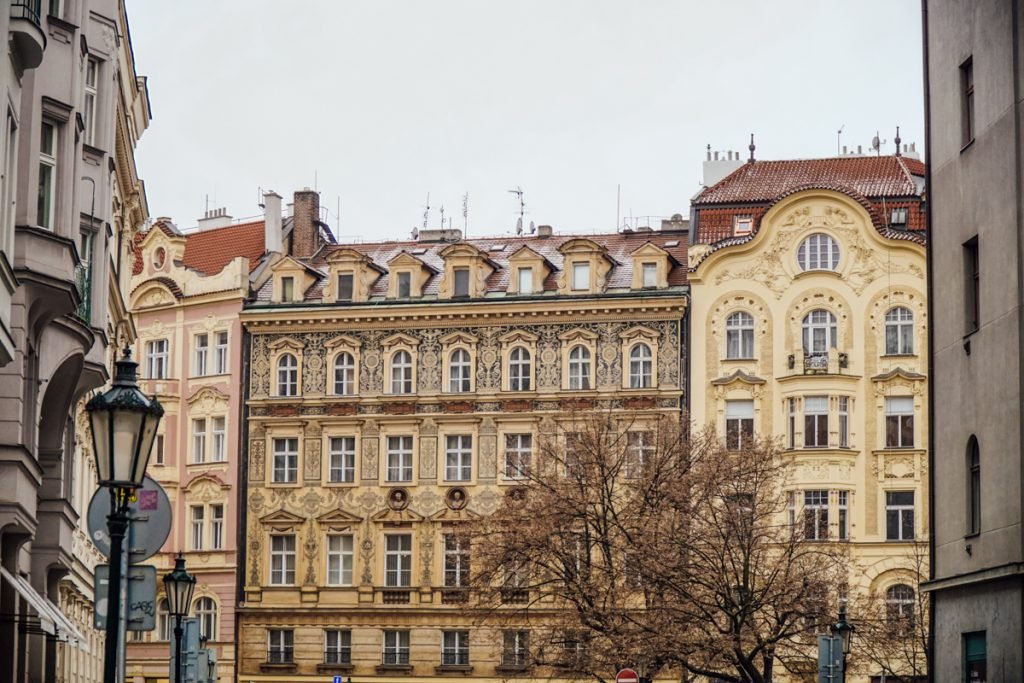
x: 344, y: 374
x: 640, y: 366
x: 459, y: 371
x: 287, y: 375
x: 401, y: 373
x: 739, y: 335
x: 899, y: 331
x: 818, y: 252
x: 819, y: 332
x: 519, y: 369
x: 899, y: 606
x: 163, y: 620
x: 206, y: 613
x: 579, y: 367
x: 974, y: 487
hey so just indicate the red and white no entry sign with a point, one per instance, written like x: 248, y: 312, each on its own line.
x: 627, y: 676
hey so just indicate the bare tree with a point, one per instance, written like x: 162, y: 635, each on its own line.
x: 632, y: 542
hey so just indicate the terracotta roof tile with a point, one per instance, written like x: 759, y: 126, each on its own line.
x: 208, y: 251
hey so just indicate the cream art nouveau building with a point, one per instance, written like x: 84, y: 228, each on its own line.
x: 809, y: 322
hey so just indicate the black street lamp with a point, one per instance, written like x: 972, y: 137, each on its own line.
x: 179, y: 586
x: 843, y: 630
x: 124, y: 423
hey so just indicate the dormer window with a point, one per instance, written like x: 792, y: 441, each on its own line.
x: 526, y: 280
x: 581, y: 276
x: 650, y: 275
x: 742, y: 225
x: 461, y: 282
x: 345, y: 287
x: 404, y: 285
x: 899, y: 216
x: 287, y: 289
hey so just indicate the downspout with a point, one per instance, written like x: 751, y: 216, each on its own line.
x: 243, y: 490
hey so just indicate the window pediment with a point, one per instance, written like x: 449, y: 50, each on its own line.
x: 518, y: 336
x: 581, y: 245
x: 458, y: 338
x: 639, y: 332
x: 418, y: 271
x: 301, y: 275
x: 540, y: 269
x: 339, y: 520
x: 899, y: 373
x: 447, y: 514
x: 343, y: 341
x: 647, y: 255
x: 392, y: 516
x: 282, y: 520
x: 738, y: 377
x: 206, y: 487
x: 399, y: 339
x: 286, y: 343
x: 210, y: 398
x: 578, y: 334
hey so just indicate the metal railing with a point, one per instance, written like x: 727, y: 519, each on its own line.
x: 513, y: 658
x: 27, y: 9
x: 395, y: 657
x: 280, y: 655
x: 455, y: 657
x: 338, y: 655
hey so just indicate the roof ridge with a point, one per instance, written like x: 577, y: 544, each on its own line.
x: 197, y: 231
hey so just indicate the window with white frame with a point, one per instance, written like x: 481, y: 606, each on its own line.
x: 337, y: 646
x: 519, y: 369
x: 280, y: 646
x: 526, y: 280
x: 899, y: 422
x: 639, y: 453
x: 518, y: 453
x: 819, y: 332
x: 899, y: 331
x: 344, y: 374
x: 650, y: 275
x: 220, y: 353
x: 156, y: 359
x: 818, y: 252
x: 217, y: 526
x: 92, y: 69
x: 286, y: 460
x: 46, y: 207
x: 844, y: 421
x: 287, y: 375
x: 899, y: 606
x: 581, y: 276
x: 219, y: 430
x: 458, y: 457
x: 816, y: 515
x: 579, y: 367
x: 198, y: 526
x: 398, y: 560
x: 456, y: 561
x: 843, y: 504
x: 515, y: 648
x: 163, y: 620
x: 206, y: 615
x: 396, y: 648
x: 899, y: 515
x: 641, y: 366
x: 345, y: 286
x: 791, y: 508
x: 815, y: 421
x: 282, y: 560
x: 342, y: 460
x: 739, y: 336
x: 201, y: 353
x: 199, y: 440
x: 339, y: 559
x: 460, y: 371
x: 455, y: 648
x: 287, y: 289
x: 401, y: 372
x: 739, y: 424
x: 791, y: 427
x: 399, y: 466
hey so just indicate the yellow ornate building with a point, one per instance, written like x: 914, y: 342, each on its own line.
x: 395, y: 390
x: 809, y: 322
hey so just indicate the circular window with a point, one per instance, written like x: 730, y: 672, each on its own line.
x: 818, y: 252
x: 159, y: 257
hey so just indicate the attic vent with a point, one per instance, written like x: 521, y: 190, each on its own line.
x: 672, y: 243
x: 899, y: 216
x: 497, y: 247
x: 419, y: 251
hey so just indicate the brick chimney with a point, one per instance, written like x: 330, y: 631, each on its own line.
x: 305, y: 223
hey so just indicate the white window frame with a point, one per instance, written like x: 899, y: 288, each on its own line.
x: 399, y: 466
x: 900, y: 510
x: 285, y: 463
x: 91, y: 100
x: 820, y: 331
x: 341, y: 464
x: 197, y: 525
x: 641, y: 366
x: 579, y: 368
x: 217, y: 526
x: 198, y: 440
x: 401, y: 372
x: 460, y: 371
x: 455, y: 647
x: 816, y: 504
x: 395, y: 650
x: 520, y: 369
x: 811, y: 409
x: 201, y: 354
x: 518, y: 455
x: 282, y: 560
x: 899, y: 331
x: 398, y: 560
x: 284, y: 647
x: 206, y: 615
x: 640, y: 451
x: 844, y: 421
x: 219, y: 442
x: 581, y: 276
x: 287, y: 375
x: 525, y: 275
x: 339, y: 651
x: 48, y: 160
x: 344, y: 372
x: 220, y: 352
x: 458, y: 457
x: 456, y: 561
x: 843, y: 508
x: 739, y: 336
x: 818, y: 252
x: 157, y: 359
x: 739, y: 423
x: 649, y: 275
x: 340, y: 559
x: 899, y: 411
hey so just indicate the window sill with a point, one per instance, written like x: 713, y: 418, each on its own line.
x: 464, y: 669
x: 323, y: 668
x: 211, y: 375
x: 899, y: 355
x: 339, y: 484
x: 284, y: 667
x: 511, y: 668
x: 394, y: 668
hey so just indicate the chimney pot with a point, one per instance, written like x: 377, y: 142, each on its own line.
x: 272, y: 237
x: 305, y: 223
x: 544, y: 231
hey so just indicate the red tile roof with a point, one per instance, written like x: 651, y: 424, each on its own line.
x: 208, y: 251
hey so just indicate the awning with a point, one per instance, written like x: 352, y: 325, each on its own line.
x: 66, y: 629
x: 38, y: 602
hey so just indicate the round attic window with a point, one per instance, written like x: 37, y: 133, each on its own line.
x: 159, y: 257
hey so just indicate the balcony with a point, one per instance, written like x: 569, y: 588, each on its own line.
x: 396, y: 597
x: 830, y: 362
x: 27, y: 38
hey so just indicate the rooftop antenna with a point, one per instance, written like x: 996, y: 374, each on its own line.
x: 618, y: 202
x: 465, y: 214
x: 876, y: 144
x: 518, y: 192
x: 897, y: 141
x: 426, y: 212
x: 442, y: 216
x: 259, y: 197
x: 839, y: 135
x: 415, y: 233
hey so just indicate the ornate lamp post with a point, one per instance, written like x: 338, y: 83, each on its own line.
x: 179, y: 586
x: 843, y: 630
x: 124, y: 423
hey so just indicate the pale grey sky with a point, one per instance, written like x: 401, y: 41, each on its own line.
x: 379, y: 102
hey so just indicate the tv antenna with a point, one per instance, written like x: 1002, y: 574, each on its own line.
x: 465, y: 214
x: 876, y: 144
x: 839, y: 135
x: 442, y: 216
x: 518, y: 192
x: 426, y: 212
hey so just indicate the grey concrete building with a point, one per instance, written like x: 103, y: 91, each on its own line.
x: 975, y: 82
x: 70, y: 200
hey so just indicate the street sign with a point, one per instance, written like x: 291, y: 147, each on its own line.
x: 627, y: 676
x: 830, y: 659
x: 189, y: 649
x: 141, y: 597
x: 149, y: 515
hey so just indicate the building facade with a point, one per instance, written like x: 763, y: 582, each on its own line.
x: 68, y: 168
x: 974, y: 81
x: 809, y: 323
x: 395, y: 390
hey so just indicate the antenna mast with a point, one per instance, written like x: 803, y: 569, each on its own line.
x: 839, y: 135
x: 465, y: 214
x: 518, y: 192
x: 426, y: 212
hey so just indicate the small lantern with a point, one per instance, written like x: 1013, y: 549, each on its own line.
x: 124, y: 424
x: 179, y: 586
x: 843, y: 629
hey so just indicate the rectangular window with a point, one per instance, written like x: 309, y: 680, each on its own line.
x: 201, y: 354
x: 455, y: 648
x: 339, y: 560
x: 156, y: 359
x: 844, y: 421
x: 216, y: 527
x: 220, y: 449
x: 199, y: 440
x: 287, y: 289
x: 515, y: 648
x: 57, y: 10
x: 399, y: 458
x: 462, y: 282
x: 337, y: 646
x: 742, y: 225
x: 398, y: 560
x: 456, y: 561
x: 815, y: 421
x: 967, y: 102
x: 198, y: 524
x: 791, y: 508
x: 396, y: 648
x: 816, y: 515
x: 220, y: 353
x: 791, y: 431
x: 526, y: 280
x: 286, y: 460
x: 899, y: 422
x: 581, y: 276
x: 640, y: 452
x: 975, y: 657
x: 650, y: 275
x: 47, y: 175
x: 458, y: 457
x: 92, y: 68
x: 899, y: 515
x: 972, y: 285
x: 158, y: 450
x: 404, y: 285
x: 342, y: 460
x: 282, y: 560
x: 345, y: 287
x: 518, y: 452
x: 280, y: 646
x: 739, y: 424
x: 843, y: 499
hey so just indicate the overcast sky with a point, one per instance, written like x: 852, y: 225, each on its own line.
x: 378, y: 102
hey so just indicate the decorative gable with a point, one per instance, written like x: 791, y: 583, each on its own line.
x: 349, y: 269
x: 339, y: 520
x: 282, y: 520
x: 418, y: 273
x: 463, y: 260
x: 585, y: 267
x: 651, y: 267
x: 291, y: 280
x: 539, y: 268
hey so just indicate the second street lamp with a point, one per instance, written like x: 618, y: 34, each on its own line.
x: 843, y: 630
x: 179, y: 586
